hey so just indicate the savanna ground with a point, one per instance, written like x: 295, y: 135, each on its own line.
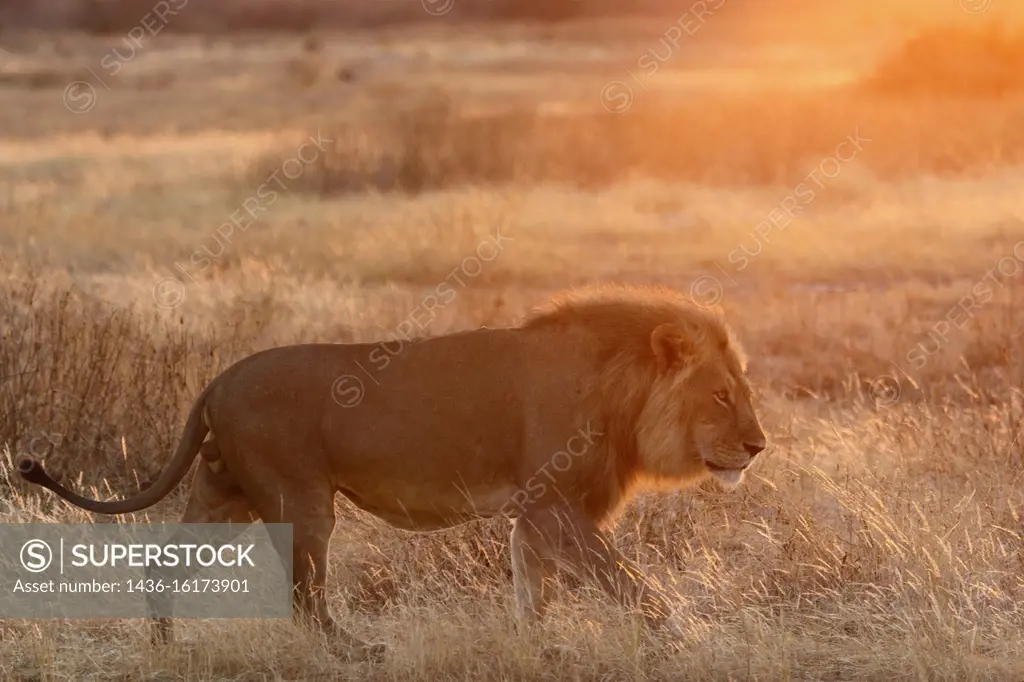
x: 852, y: 197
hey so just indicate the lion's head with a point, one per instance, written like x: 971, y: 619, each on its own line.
x: 698, y: 417
x: 673, y: 382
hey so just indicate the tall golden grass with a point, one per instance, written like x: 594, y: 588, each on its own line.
x: 880, y: 536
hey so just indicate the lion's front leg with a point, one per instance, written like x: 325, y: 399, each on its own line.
x: 532, y: 566
x: 561, y: 536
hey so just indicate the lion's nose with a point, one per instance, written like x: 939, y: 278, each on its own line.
x: 753, y: 449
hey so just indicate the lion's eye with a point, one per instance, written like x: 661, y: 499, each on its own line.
x: 722, y: 397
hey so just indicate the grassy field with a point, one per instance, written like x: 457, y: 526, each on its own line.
x: 854, y: 202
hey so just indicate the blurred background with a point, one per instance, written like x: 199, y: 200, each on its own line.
x: 183, y: 183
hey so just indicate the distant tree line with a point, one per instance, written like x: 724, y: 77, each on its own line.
x: 226, y: 16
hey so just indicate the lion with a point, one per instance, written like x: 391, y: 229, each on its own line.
x: 554, y: 423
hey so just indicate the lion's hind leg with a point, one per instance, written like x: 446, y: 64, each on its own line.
x: 215, y: 498
x: 311, y: 514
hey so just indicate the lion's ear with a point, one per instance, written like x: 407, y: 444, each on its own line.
x: 673, y: 347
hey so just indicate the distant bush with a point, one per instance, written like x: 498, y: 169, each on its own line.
x: 744, y: 140
x: 984, y: 61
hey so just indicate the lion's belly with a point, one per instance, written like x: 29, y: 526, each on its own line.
x: 413, y: 510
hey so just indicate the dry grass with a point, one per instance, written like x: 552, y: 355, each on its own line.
x: 881, y: 535
x: 722, y: 140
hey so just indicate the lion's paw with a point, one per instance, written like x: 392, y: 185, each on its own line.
x: 675, y: 626
x: 557, y: 653
x: 357, y: 652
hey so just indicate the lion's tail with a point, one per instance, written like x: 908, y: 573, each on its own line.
x: 188, y: 447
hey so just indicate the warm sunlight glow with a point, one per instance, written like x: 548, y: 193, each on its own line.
x: 293, y: 261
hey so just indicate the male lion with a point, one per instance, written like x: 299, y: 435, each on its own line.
x: 553, y: 423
